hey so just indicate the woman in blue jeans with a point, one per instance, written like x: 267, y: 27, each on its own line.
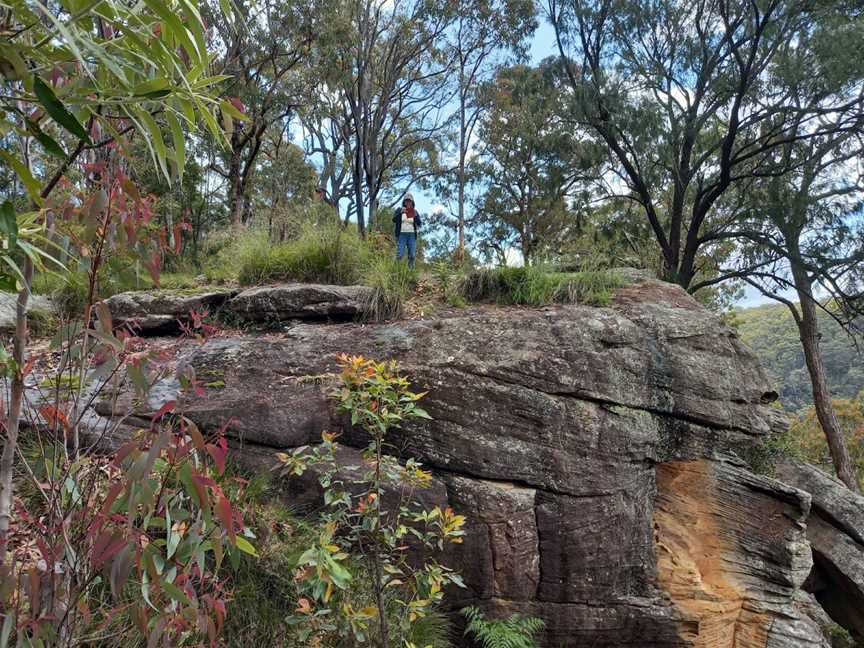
x: 407, y: 225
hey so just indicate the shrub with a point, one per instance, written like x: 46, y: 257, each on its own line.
x: 362, y: 534
x: 144, y: 530
x: 516, y: 631
x: 322, y: 254
x: 536, y: 286
x: 69, y: 292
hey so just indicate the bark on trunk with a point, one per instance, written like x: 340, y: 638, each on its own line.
x: 235, y: 195
x: 358, y: 191
x: 7, y: 461
x: 808, y: 328
x: 460, y: 249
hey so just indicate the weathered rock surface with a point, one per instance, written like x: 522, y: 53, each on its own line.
x: 836, y: 534
x: 595, y: 451
x: 283, y: 302
x: 39, y: 304
x: 160, y: 312
x: 732, y: 574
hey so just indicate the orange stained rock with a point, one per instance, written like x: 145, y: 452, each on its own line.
x: 693, y: 551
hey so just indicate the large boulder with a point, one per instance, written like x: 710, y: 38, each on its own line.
x: 597, y: 453
x: 284, y: 302
x: 39, y: 309
x: 161, y: 312
x: 835, y: 530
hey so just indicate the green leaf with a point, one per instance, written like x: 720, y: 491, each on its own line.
x: 227, y: 9
x: 179, y: 143
x: 30, y: 183
x: 210, y: 120
x: 58, y: 112
x: 14, y: 267
x: 9, y: 223
x: 48, y: 143
x: 12, y: 66
x: 8, y: 626
x: 244, y: 545
x: 227, y: 107
x: 420, y: 413
x: 172, y: 23
x: 153, y: 89
x: 175, y: 592
x: 8, y: 283
x: 161, y: 152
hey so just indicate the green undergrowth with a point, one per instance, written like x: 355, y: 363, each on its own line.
x: 264, y: 593
x: 538, y: 286
x: 325, y: 254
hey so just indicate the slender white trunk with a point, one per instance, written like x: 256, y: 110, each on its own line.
x: 10, y: 445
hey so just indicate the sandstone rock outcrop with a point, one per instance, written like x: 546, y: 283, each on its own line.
x: 597, y: 453
x: 283, y: 302
x: 160, y: 312
x: 38, y: 305
x: 836, y: 534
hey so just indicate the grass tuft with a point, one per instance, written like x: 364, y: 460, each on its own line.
x: 392, y: 283
x: 537, y: 286
x: 320, y: 254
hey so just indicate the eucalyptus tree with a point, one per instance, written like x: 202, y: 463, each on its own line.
x: 533, y: 164
x: 484, y: 35
x: 262, y: 46
x: 803, y: 235
x: 389, y: 66
x: 328, y: 140
x: 684, y: 96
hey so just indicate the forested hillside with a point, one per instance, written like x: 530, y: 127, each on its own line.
x: 771, y: 333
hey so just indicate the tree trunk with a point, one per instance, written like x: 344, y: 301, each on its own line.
x: 358, y: 190
x: 236, y: 201
x: 7, y: 461
x: 460, y: 248
x: 808, y: 328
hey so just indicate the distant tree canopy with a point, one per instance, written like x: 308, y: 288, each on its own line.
x: 772, y: 334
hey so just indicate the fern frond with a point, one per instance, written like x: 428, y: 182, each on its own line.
x: 516, y: 631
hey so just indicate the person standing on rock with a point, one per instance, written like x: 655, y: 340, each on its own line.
x: 407, y: 226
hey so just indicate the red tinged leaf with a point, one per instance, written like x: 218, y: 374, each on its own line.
x: 200, y: 491
x: 162, y: 411
x: 113, y: 492
x: 107, y: 545
x: 52, y: 415
x: 235, y: 101
x: 121, y: 568
x: 226, y: 516
x: 123, y: 452
x: 196, y: 436
x: 218, y: 452
x: 178, y: 238
x: 28, y: 366
x: 204, y: 480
